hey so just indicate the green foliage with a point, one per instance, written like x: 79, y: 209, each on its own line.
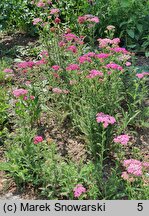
x: 129, y: 17
x: 74, y: 82
x: 3, y: 107
x: 17, y: 14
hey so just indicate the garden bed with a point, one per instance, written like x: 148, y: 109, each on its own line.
x: 73, y: 114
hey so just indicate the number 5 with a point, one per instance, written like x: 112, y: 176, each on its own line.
x: 140, y: 207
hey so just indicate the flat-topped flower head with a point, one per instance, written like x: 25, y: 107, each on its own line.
x: 8, y: 70
x: 93, y: 19
x: 84, y: 58
x: 94, y: 73
x: 105, y: 119
x: 79, y: 190
x: 119, y: 50
x: 57, y: 20
x: 40, y: 4
x: 141, y: 75
x: 123, y: 139
x: 26, y: 64
x: 19, y: 92
x: 60, y: 91
x: 88, y: 18
x: 72, y: 67
x: 38, y: 139
x: 36, y: 20
x: 128, y: 64
x: 105, y: 42
x: 56, y: 67
x: 81, y: 19
x: 133, y: 166
x: 72, y: 48
x: 102, y: 55
x: 57, y: 90
x: 135, y: 169
x: 130, y: 161
x: 54, y: 11
x: 90, y: 54
x: 71, y: 36
x: 114, y: 66
x: 61, y: 44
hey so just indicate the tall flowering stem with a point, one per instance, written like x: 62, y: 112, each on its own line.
x: 106, y: 120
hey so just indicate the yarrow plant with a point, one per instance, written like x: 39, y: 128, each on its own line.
x: 94, y: 91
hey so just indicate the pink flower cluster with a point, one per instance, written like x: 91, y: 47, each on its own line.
x: 94, y: 73
x: 72, y: 48
x: 44, y: 53
x: 40, y: 62
x: 102, y: 55
x: 90, y: 54
x: 8, y: 70
x: 70, y: 37
x: 36, y: 20
x: 123, y: 139
x: 119, y: 50
x: 78, y: 190
x: 61, y: 44
x: 141, y: 75
x: 105, y: 119
x: 88, y: 18
x: 84, y: 58
x: 56, y: 67
x: 40, y: 4
x: 26, y: 64
x: 32, y: 97
x: 73, y: 38
x: 72, y: 67
x: 38, y: 139
x: 106, y: 42
x: 20, y: 92
x: 133, y: 167
x: 54, y: 11
x: 59, y: 91
x: 114, y: 66
x: 128, y: 64
x: 145, y: 165
x: 57, y: 20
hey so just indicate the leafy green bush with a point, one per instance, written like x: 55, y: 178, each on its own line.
x: 17, y: 15
x: 129, y: 17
